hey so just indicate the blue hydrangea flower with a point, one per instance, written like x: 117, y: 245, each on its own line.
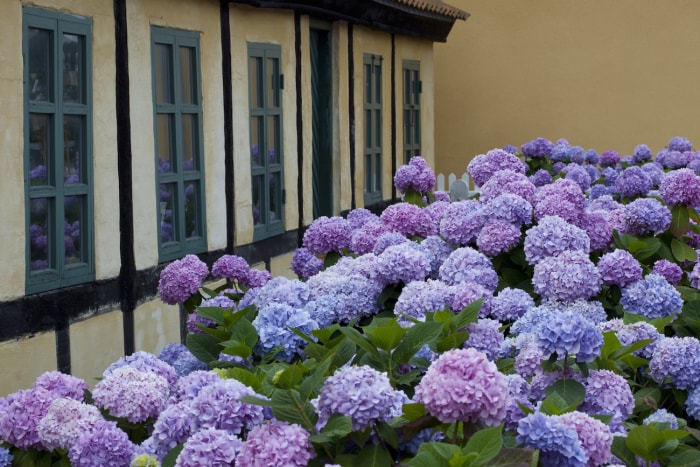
x: 655, y: 172
x: 579, y: 175
x: 498, y: 237
x: 609, y: 158
x: 592, y: 156
x: 551, y: 236
x: 403, y: 263
x: 485, y: 336
x: 692, y: 403
x: 591, y: 310
x: 567, y: 277
x: 510, y: 304
x: 652, y: 297
x: 607, y: 393
x: 181, y: 279
x: 209, y: 447
x: 569, y: 333
x: 305, y: 264
x: 179, y: 357
x: 327, y: 234
x: 418, y: 298
x: 681, y: 186
x: 677, y: 159
x: 469, y: 265
x: 558, y: 444
x: 483, y: 166
x: 507, y: 181
x: 292, y: 292
x: 641, y: 153
x: 537, y: 148
x: 276, y: 444
x: 351, y: 294
x: 437, y: 250
x: 274, y: 324
x: 646, y: 215
x: 386, y: 240
x: 530, y: 321
x: 633, y: 181
x: 104, y: 445
x: 218, y: 406
x: 594, y: 435
x: 561, y: 151
x: 540, y: 178
x: 361, y: 393
x: 511, y: 208
x: 619, y: 268
x: 462, y: 222
x: 677, y: 359
x: 679, y: 143
x: 662, y: 417
x: 5, y: 457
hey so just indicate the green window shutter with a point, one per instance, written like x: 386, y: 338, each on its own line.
x: 265, y: 84
x: 179, y: 153
x: 372, y: 106
x: 58, y: 149
x: 411, y: 109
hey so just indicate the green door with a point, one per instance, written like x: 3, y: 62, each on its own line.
x: 322, y: 103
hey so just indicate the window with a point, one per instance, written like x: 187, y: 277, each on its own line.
x: 265, y: 83
x: 58, y: 149
x: 373, y: 128
x: 411, y: 109
x: 179, y: 155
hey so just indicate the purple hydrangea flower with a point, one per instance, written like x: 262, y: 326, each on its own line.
x: 604, y: 203
x: 609, y: 158
x: 305, y: 264
x: 518, y: 390
x: 591, y: 310
x: 416, y: 175
x: 592, y: 156
x: 510, y: 208
x: 292, y: 292
x: 327, y: 234
x: 596, y: 191
x: 386, y: 240
x: 132, y: 394
x: 274, y: 324
x: 633, y: 181
x: 231, y: 267
x: 497, y: 237
x: 210, y: 447
x: 598, y: 228
x: 662, y: 417
x: 561, y: 151
x: 568, y: 277
x: 462, y: 222
x: 507, y: 181
x: 408, y: 219
x: 483, y: 166
x: 635, y: 332
x: 594, y: 435
x: 181, y: 279
x: 552, y: 236
x: 62, y: 385
x: 418, y: 298
x: 646, y: 215
x: 173, y: 426
x: 352, y: 295
x: 364, y: 239
x: 619, y: 268
x: 670, y: 271
x: 694, y: 276
x: 104, y: 445
x: 485, y: 336
x: 510, y: 304
x: 403, y: 263
x: 677, y: 359
x: 579, y: 175
x: 563, y: 198
x: 510, y: 149
x: 558, y: 444
x: 641, y: 153
x: 607, y: 393
x: 655, y: 172
x: 537, y: 148
x: 528, y: 361
x: 276, y: 444
x: 692, y: 403
x: 258, y: 278
x: 20, y: 417
x: 437, y: 250
x: 569, y: 333
x: 360, y: 216
x: 361, y: 393
x: 463, y: 385
x: 652, y: 297
x: 469, y: 265
x: 677, y: 159
x: 577, y: 155
x: 679, y: 143
x: 5, y: 457
x: 681, y: 186
x: 179, y: 357
x: 218, y: 406
x: 64, y: 421
x: 441, y: 196
x: 540, y: 178
x: 144, y: 361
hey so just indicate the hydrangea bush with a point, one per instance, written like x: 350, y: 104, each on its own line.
x: 551, y: 319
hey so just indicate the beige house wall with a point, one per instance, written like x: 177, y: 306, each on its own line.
x: 604, y: 75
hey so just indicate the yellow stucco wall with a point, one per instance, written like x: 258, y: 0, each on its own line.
x: 604, y: 75
x: 22, y: 360
x: 95, y: 343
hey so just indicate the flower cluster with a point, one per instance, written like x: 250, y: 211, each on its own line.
x: 569, y: 333
x: 416, y: 175
x: 181, y: 279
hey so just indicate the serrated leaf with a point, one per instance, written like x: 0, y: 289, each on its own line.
x: 689, y: 458
x: 336, y: 427
x: 623, y: 452
x: 204, y: 347
x: 467, y: 316
x: 387, y: 433
x: 415, y: 338
x: 385, y: 334
x: 682, y: 251
x: 355, y: 336
x: 646, y: 441
x: 486, y: 444
x: 452, y: 341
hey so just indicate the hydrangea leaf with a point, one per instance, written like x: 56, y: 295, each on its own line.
x: 651, y: 444
x: 515, y: 457
x: 384, y: 333
x: 416, y: 337
x: 683, y: 252
x: 688, y: 458
x: 432, y: 454
x: 486, y: 444
x: 213, y: 313
x: 565, y: 395
x: 468, y: 315
x: 336, y: 427
x: 204, y: 347
x: 623, y: 452
x: 680, y: 220
x: 171, y: 457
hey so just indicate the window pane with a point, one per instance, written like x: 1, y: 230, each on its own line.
x: 378, y: 84
x: 256, y: 141
x: 273, y: 139
x: 73, y: 240
x: 256, y: 87
x: 187, y: 75
x: 272, y: 82
x: 40, y: 65
x: 368, y: 172
x: 39, y: 233
x: 416, y: 87
x: 190, y: 143
x: 377, y: 186
x: 193, y: 227
x: 407, y: 86
x: 416, y: 126
x: 378, y: 128
x: 73, y: 144
x: 164, y: 74
x: 73, y: 72
x: 258, y: 200
x: 275, y: 197
x: 368, y: 129
x: 40, y: 157
x: 368, y: 83
x: 407, y: 127
x: 165, y: 144
x: 168, y: 213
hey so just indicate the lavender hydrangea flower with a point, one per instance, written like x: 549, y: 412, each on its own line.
x: 670, y: 271
x: 577, y: 154
x: 551, y: 236
x: 604, y: 203
x: 510, y: 208
x: 591, y: 310
x: 104, y: 445
x: 510, y: 304
x: 276, y: 443
x: 144, y: 361
x: 463, y: 385
x: 173, y: 426
x: 662, y: 417
x: 416, y: 175
x: 179, y: 357
x: 386, y: 240
x: 62, y: 385
x: 568, y: 277
x: 403, y: 263
x: 497, y: 237
x: 305, y: 264
x: 679, y: 143
x: 469, y: 265
x: 528, y: 361
x: 361, y: 393
x: 352, y: 294
x: 646, y: 216
x: 292, y: 292
x: 694, y: 276
x: 218, y: 405
x: 437, y: 250
x: 327, y: 234
x: 579, y: 175
x: 418, y: 298
x: 655, y: 172
x: 273, y: 324
x: 537, y: 148
x: 681, y: 186
x: 181, y: 279
x: 64, y: 421
x: 540, y: 178
x: 609, y: 158
x: 607, y: 393
x: 507, y: 181
x: 364, y: 239
x: 19, y: 419
x: 462, y: 222
x: 530, y: 321
x: 360, y: 216
x: 209, y: 447
x: 464, y: 293
x: 569, y: 333
x: 619, y: 268
x: 132, y: 394
x: 408, y: 219
x: 558, y: 444
x: 485, y: 336
x: 633, y: 181
x: 692, y: 403
x: 635, y: 332
x: 652, y: 297
x: 233, y: 268
x: 483, y: 166
x: 676, y: 159
x: 677, y: 359
x: 258, y: 278
x: 5, y: 457
x: 598, y: 228
x: 561, y: 151
x: 563, y: 198
x: 641, y: 153
x: 594, y: 435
